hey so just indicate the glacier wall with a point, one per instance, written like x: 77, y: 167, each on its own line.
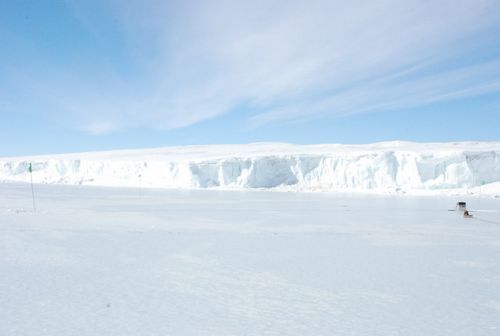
x: 337, y: 169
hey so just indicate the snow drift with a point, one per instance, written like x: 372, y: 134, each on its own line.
x: 381, y: 167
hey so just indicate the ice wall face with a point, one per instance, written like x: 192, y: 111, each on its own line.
x: 379, y: 167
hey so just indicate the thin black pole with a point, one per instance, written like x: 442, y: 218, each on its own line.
x: 32, y: 190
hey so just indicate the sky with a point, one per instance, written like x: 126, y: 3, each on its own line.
x: 115, y: 74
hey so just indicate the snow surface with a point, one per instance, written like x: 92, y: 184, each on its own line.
x: 120, y: 261
x: 401, y: 167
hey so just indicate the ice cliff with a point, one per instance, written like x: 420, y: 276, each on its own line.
x: 384, y: 167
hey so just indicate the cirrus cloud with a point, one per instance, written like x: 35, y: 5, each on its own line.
x: 173, y: 64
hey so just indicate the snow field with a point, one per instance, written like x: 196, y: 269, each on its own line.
x: 125, y: 261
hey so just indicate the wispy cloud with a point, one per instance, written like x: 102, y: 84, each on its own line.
x: 190, y: 61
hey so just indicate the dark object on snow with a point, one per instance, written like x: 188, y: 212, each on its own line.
x: 461, y: 206
x: 467, y: 214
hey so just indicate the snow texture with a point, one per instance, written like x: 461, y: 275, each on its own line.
x: 130, y: 262
x: 402, y: 167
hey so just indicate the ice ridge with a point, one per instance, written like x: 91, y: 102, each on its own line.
x: 378, y: 167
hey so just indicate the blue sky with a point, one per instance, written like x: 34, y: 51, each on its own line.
x: 98, y: 75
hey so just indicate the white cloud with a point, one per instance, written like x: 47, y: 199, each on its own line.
x: 195, y: 60
x: 100, y: 128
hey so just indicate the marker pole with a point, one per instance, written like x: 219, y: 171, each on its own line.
x: 30, y: 169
